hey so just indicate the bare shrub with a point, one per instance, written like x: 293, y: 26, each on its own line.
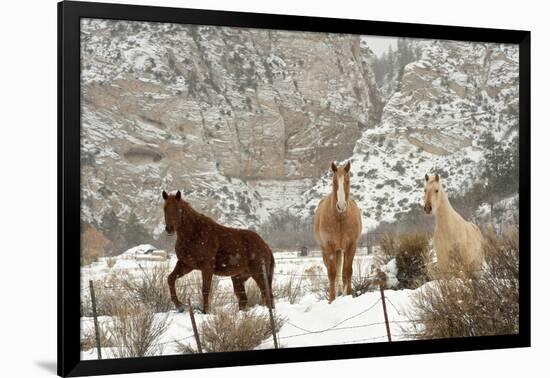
x: 135, y: 331
x: 316, y: 280
x: 476, y: 305
x: 88, y: 340
x: 411, y: 253
x: 383, y: 255
x: 290, y: 289
x: 502, y: 254
x: 185, y: 348
x: 322, y: 290
x: 220, y: 296
x: 191, y: 286
x: 314, y: 274
x: 361, y: 281
x: 236, y: 330
x: 287, y: 231
x: 150, y: 288
x: 108, y: 293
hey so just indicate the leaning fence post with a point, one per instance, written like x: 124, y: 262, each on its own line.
x: 270, y: 306
x: 385, y: 310
x: 195, y: 331
x: 96, y: 325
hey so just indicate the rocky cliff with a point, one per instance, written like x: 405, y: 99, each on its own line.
x: 443, y: 106
x: 218, y: 112
x: 246, y: 122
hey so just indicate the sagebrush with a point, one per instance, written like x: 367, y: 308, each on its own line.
x: 411, y: 252
x: 229, y: 330
x: 476, y: 305
x: 135, y: 331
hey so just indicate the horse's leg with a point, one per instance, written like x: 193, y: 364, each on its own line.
x: 266, y: 295
x: 330, y: 261
x: 340, y: 278
x: 206, y: 283
x: 238, y: 288
x: 347, y: 273
x: 179, y: 270
x: 324, y: 253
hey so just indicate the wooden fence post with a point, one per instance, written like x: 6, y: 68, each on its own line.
x: 195, y: 330
x: 270, y: 304
x: 385, y: 311
x: 96, y: 325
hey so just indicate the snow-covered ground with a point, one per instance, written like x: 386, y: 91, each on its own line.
x: 309, y: 321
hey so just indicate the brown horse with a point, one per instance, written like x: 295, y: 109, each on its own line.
x: 215, y: 249
x: 337, y: 230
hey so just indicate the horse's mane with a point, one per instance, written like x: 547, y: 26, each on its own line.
x: 192, y: 214
x: 193, y: 217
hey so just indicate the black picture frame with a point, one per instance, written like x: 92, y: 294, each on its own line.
x: 69, y: 15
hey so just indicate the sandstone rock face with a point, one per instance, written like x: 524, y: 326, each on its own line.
x: 215, y: 112
x: 445, y: 101
x: 246, y: 122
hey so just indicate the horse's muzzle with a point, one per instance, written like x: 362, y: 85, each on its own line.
x: 340, y: 210
x: 427, y: 209
x: 169, y: 230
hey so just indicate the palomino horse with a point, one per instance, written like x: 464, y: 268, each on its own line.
x: 455, y: 240
x: 337, y: 230
x: 215, y: 249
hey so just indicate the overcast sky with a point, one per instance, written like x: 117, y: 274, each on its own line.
x: 379, y: 45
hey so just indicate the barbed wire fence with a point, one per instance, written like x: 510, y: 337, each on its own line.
x: 377, y: 282
x: 276, y: 339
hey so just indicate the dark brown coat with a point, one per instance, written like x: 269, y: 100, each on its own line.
x: 212, y: 248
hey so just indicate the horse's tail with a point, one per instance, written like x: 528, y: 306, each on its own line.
x: 339, y: 268
x: 271, y: 268
x: 270, y: 278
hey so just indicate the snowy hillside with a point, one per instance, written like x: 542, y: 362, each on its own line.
x: 240, y: 120
x: 246, y: 122
x: 449, y: 98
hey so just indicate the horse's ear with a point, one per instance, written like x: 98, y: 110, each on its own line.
x: 436, y: 177
x: 427, y: 177
x: 348, y: 166
x: 333, y: 167
x: 178, y: 195
x: 164, y: 195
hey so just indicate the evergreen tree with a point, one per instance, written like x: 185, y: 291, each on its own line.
x: 389, y: 68
x: 110, y: 223
x: 113, y: 230
x: 501, y: 172
x: 135, y: 233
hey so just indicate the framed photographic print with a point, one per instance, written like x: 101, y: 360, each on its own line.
x: 239, y: 188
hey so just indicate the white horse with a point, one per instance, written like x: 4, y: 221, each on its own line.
x: 455, y: 239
